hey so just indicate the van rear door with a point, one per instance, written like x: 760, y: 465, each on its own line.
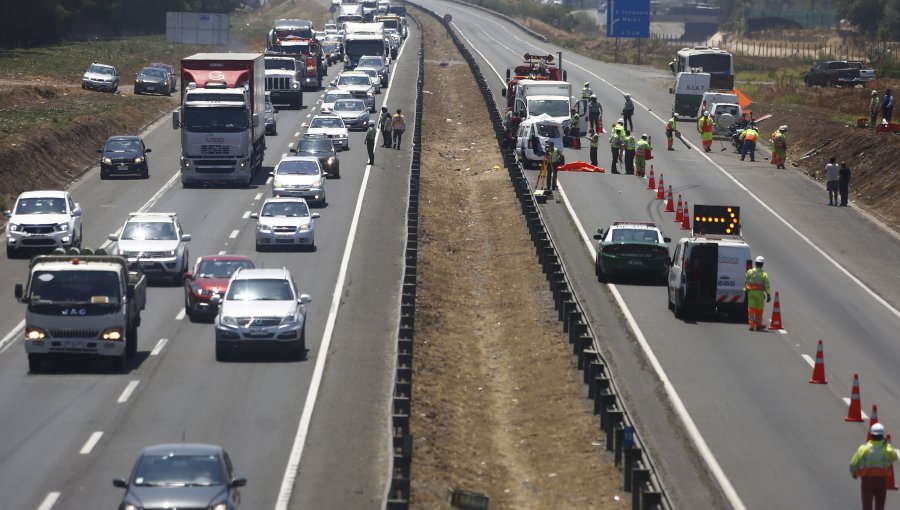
x: 732, y: 270
x: 702, y: 271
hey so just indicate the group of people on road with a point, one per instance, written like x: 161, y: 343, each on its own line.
x: 392, y: 128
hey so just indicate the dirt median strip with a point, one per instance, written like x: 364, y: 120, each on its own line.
x: 497, y: 407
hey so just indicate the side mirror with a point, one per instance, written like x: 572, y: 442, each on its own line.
x: 255, y: 216
x: 255, y: 120
x: 176, y: 119
x: 671, y: 90
x: 129, y: 291
x: 315, y: 215
x: 292, y: 150
x: 76, y: 211
x: 148, y: 150
x: 186, y: 237
x: 113, y: 237
x: 189, y: 276
x: 305, y: 299
x: 120, y: 482
x: 20, y: 291
x: 99, y: 151
x: 239, y: 482
x: 7, y: 213
x: 667, y: 239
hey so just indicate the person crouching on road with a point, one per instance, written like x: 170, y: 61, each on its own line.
x: 371, y: 134
x: 385, y: 122
x: 594, y: 139
x: 630, y: 146
x: 749, y: 137
x: 758, y: 294
x: 398, y: 126
x: 872, y: 462
x: 642, y: 150
x: 705, y: 126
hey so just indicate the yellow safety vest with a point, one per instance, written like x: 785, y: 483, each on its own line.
x: 757, y: 279
x: 630, y: 143
x: 873, y: 459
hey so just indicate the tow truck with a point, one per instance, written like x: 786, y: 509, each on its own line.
x: 296, y: 38
x: 535, y: 67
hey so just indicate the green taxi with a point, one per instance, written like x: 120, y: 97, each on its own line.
x: 632, y: 249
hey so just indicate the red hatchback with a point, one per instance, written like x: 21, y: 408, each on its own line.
x: 210, y: 278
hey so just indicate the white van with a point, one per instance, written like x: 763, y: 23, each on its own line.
x: 541, y: 128
x: 689, y: 90
x: 710, y: 98
x: 707, y: 274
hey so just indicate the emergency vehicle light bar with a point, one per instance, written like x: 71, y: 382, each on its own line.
x: 717, y: 219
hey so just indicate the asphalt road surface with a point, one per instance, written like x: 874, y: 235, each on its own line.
x: 66, y: 433
x: 753, y: 432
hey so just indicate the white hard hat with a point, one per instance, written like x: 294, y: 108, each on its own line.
x: 783, y: 128
x: 627, y: 96
x: 593, y: 96
x: 675, y: 115
x: 874, y: 92
x: 877, y: 430
x: 760, y: 260
x: 644, y: 135
x: 587, y: 84
x: 620, y: 121
x: 705, y: 112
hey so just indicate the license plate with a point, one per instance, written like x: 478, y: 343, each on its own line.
x: 256, y: 331
x: 636, y: 262
x: 123, y: 168
x: 287, y: 240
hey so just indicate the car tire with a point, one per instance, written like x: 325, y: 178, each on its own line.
x: 168, y: 92
x: 77, y: 243
x: 187, y: 309
x: 601, y: 276
x: 145, y: 173
x: 10, y: 252
x: 103, y: 174
x: 35, y: 362
x: 131, y: 341
x: 299, y: 353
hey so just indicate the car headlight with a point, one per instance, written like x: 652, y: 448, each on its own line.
x: 15, y: 227
x: 288, y: 320
x: 330, y: 161
x: 227, y: 320
x: 62, y: 227
x: 220, y: 506
x: 369, y: 93
x: 263, y: 228
x: 112, y: 334
x: 316, y: 184
x: 32, y: 333
x: 303, y: 228
x: 200, y: 291
x: 170, y: 253
x: 140, y: 159
x: 132, y: 507
x: 277, y: 184
x: 107, y: 161
x: 295, y: 85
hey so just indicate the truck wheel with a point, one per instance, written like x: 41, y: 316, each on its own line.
x: 131, y: 341
x: 34, y: 363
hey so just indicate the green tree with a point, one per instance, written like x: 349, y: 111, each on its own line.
x: 890, y: 27
x: 866, y: 15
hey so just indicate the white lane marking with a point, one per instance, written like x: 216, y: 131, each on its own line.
x: 150, y: 203
x: 293, y: 464
x: 91, y: 443
x: 12, y: 336
x: 126, y: 393
x: 308, y: 115
x: 733, y: 179
x: 258, y: 196
x: 296, y: 134
x: 234, y: 234
x: 159, y: 346
x: 180, y: 315
x: 49, y: 501
x: 809, y: 359
x: 223, y: 252
x: 290, y: 145
x: 269, y: 180
x: 862, y: 413
x: 781, y: 331
x: 702, y: 447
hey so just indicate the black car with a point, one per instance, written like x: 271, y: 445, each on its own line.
x: 124, y: 155
x: 319, y: 146
x: 170, y: 70
x: 152, y: 79
x: 182, y: 476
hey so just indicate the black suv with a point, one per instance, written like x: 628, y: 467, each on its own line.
x: 124, y: 155
x: 320, y: 146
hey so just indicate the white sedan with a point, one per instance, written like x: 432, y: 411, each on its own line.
x: 332, y: 127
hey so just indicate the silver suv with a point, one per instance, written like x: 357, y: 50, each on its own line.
x: 261, y: 308
x: 100, y: 77
x: 43, y: 219
x: 154, y: 242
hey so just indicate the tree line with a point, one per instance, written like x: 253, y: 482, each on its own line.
x: 28, y: 23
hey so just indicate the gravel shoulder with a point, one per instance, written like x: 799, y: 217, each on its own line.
x: 497, y: 405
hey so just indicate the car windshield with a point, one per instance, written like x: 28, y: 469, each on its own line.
x: 331, y: 97
x: 149, y: 231
x: 224, y: 119
x: 638, y: 235
x: 285, y: 209
x: 260, y: 290
x: 95, y: 287
x: 298, y: 167
x: 548, y: 130
x: 171, y: 470
x: 326, y: 122
x: 349, y: 105
x: 122, y: 146
x: 41, y: 205
x: 333, y: 39
x: 353, y: 80
x: 221, y: 268
x: 278, y: 63
x: 321, y: 145
x: 552, y: 107
x: 101, y: 70
x: 370, y: 61
x: 155, y: 73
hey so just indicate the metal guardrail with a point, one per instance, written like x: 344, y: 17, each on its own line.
x: 639, y: 475
x: 397, y: 497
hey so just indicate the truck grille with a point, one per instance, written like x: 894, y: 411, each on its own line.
x: 74, y: 333
x: 278, y: 83
x: 258, y: 321
x: 215, y: 150
x: 38, y: 229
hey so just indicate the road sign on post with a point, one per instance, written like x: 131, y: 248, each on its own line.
x: 628, y: 18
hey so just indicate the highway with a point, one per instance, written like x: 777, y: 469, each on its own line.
x: 751, y: 431
x: 309, y: 434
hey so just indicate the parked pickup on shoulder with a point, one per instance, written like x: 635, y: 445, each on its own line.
x: 838, y: 72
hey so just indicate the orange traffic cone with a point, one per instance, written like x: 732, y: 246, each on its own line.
x: 872, y: 421
x: 652, y: 184
x: 891, y: 484
x: 686, y: 217
x: 818, y: 376
x: 660, y: 191
x: 775, y: 323
x: 670, y: 205
x: 855, y: 411
x: 679, y: 216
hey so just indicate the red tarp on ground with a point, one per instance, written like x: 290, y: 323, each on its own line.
x: 580, y: 166
x: 888, y: 128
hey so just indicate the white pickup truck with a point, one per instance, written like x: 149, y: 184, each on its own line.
x: 82, y: 305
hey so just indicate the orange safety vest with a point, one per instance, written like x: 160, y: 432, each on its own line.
x: 750, y: 135
x: 706, y: 125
